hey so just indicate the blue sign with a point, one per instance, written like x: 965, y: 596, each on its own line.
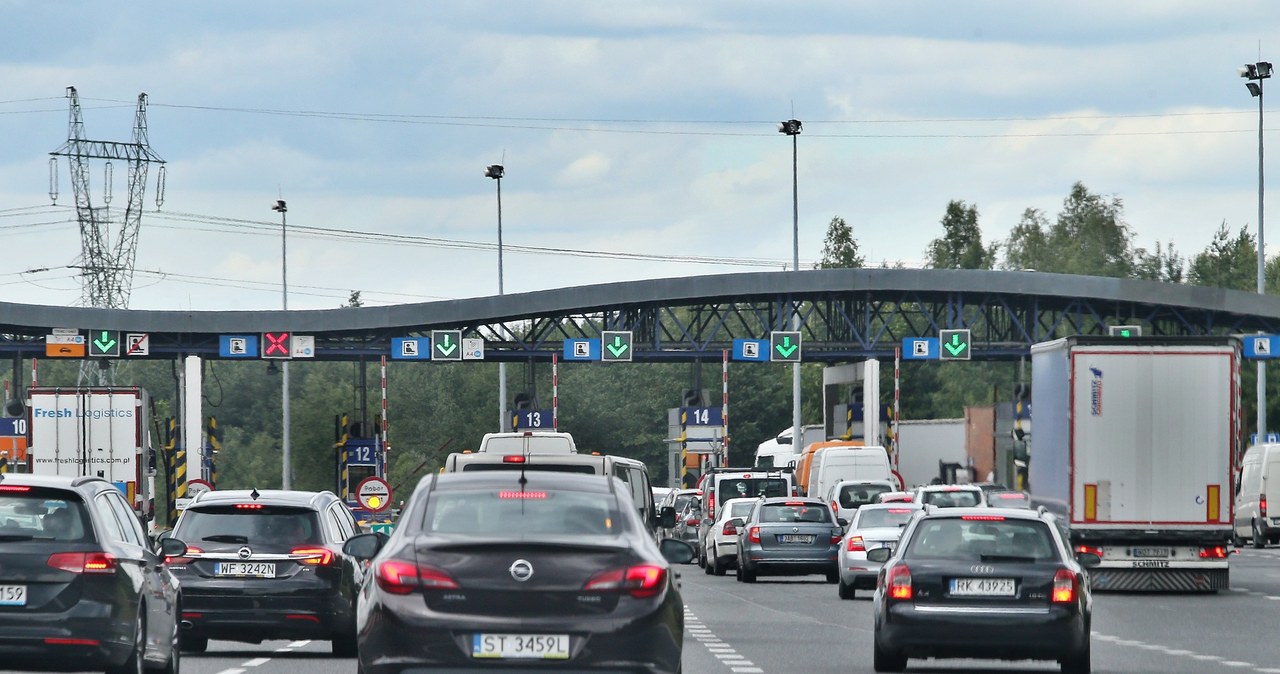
x: 1271, y: 437
x: 920, y: 348
x: 411, y: 348
x: 582, y: 349
x: 238, y: 346
x: 363, y: 452
x: 703, y: 416
x: 751, y: 350
x: 533, y: 420
x: 13, y: 427
x: 1261, y: 347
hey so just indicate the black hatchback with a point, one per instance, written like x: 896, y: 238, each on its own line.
x: 533, y: 571
x: 81, y: 585
x: 267, y: 565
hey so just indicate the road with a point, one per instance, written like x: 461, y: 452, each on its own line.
x: 791, y: 625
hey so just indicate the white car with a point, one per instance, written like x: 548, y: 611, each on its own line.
x: 722, y: 539
x: 875, y: 525
x: 846, y: 496
x: 951, y: 496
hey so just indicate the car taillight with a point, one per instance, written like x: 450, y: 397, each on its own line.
x: 248, y: 506
x: 984, y: 518
x: 836, y: 534
x: 400, y: 577
x: 711, y: 503
x: 1213, y: 552
x: 513, y: 458
x: 899, y: 580
x: 641, y: 581
x: 83, y: 562
x: 1064, y: 586
x: 1090, y: 549
x: 692, y: 521
x: 835, y: 506
x: 186, y: 558
x: 313, y: 556
x: 15, y: 487
x: 1262, y: 505
x: 729, y: 529
x: 753, y: 534
x: 855, y: 544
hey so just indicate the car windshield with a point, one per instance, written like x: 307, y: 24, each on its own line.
x: 493, y: 512
x: 960, y: 498
x: 249, y: 524
x: 869, y: 518
x: 751, y: 487
x: 798, y: 512
x: 981, y: 538
x: 858, y: 495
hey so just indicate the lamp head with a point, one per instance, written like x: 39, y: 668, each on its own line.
x: 1264, y: 70
x: 279, y: 206
x: 1254, y: 89
x: 791, y: 127
x: 495, y: 171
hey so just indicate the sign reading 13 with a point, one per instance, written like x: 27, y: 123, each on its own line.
x: 532, y: 419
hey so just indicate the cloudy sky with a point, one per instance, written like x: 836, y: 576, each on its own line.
x: 639, y: 137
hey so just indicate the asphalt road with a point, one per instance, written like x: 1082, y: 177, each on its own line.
x: 799, y: 625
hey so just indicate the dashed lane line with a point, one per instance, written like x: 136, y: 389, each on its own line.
x: 1183, y: 653
x: 726, y: 654
x: 258, y: 662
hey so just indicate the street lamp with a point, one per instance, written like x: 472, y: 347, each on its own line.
x: 496, y: 171
x: 285, y: 468
x: 1256, y: 73
x: 791, y: 127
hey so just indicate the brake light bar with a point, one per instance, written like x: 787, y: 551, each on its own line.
x: 1011, y: 496
x: 526, y: 495
x: 900, y: 511
x: 795, y: 503
x: 514, y: 458
x: 16, y: 487
x: 983, y: 518
x: 249, y: 506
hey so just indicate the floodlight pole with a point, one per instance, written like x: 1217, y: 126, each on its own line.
x: 496, y: 171
x: 286, y: 468
x: 1256, y: 73
x: 791, y: 127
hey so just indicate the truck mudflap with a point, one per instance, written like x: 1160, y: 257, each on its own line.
x: 1159, y: 580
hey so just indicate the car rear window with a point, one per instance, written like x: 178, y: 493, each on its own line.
x: 494, y: 512
x: 981, y: 538
x: 532, y: 467
x: 1008, y: 499
x: 741, y: 509
x: 682, y: 500
x: 805, y: 512
x: 872, y: 518
x: 46, y: 514
x: 858, y: 495
x: 960, y: 498
x: 750, y: 487
x: 249, y: 524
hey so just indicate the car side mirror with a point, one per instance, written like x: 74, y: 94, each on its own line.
x: 667, y: 517
x: 1088, y: 559
x: 676, y: 552
x: 172, y: 547
x: 880, y: 555
x: 364, y: 546
x: 842, y: 521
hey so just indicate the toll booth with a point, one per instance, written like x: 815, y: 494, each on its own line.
x: 696, y: 443
x: 357, y: 460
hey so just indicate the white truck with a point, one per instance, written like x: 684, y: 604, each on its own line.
x: 98, y: 431
x: 781, y: 451
x: 1136, y: 437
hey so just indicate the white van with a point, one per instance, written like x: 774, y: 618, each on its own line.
x: 528, y: 442
x: 1257, y: 487
x: 780, y: 451
x: 848, y: 463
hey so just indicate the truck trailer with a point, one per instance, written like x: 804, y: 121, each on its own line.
x: 1138, y: 437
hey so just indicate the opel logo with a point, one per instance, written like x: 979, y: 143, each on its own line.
x: 982, y: 568
x: 795, y: 529
x: 521, y: 570
x: 244, y: 553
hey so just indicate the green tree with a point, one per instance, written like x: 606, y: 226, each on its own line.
x: 1227, y: 262
x: 1163, y: 264
x: 1090, y: 236
x: 840, y: 249
x: 960, y: 246
x: 1028, y: 244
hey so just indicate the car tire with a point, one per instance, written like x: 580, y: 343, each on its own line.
x: 709, y: 568
x: 846, y: 591
x: 344, y: 646
x: 702, y: 558
x: 134, y: 663
x: 192, y: 644
x: 1236, y: 540
x: 720, y: 568
x: 833, y: 576
x: 1259, y: 541
x: 748, y: 575
x: 1079, y: 662
x: 884, y: 661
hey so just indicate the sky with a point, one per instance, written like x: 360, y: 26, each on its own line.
x: 639, y: 138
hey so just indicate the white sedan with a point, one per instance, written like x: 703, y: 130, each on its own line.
x: 875, y: 525
x: 722, y: 539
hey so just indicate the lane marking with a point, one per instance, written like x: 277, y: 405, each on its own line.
x: 255, y: 662
x: 724, y: 653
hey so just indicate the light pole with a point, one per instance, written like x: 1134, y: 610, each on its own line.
x: 1256, y: 73
x: 285, y: 468
x: 496, y: 171
x: 791, y: 127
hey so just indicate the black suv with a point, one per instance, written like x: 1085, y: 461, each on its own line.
x: 267, y: 565
x: 81, y: 584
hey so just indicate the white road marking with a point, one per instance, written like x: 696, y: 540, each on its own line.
x: 726, y: 654
x: 256, y: 661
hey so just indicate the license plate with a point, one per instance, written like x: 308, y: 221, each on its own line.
x: 520, y: 646
x: 1150, y: 552
x: 13, y: 595
x: 796, y: 538
x: 983, y: 587
x: 255, y: 569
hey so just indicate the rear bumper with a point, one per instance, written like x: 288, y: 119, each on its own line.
x: 1159, y: 580
x: 963, y: 632
x: 273, y: 615
x: 23, y: 646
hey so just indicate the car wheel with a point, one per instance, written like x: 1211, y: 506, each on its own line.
x: 195, y: 644
x: 1236, y: 540
x: 748, y: 575
x: 1259, y: 541
x: 846, y: 591
x: 720, y: 567
x: 1079, y: 662
x: 833, y: 576
x: 134, y: 663
x: 884, y: 661
x: 709, y: 568
x: 344, y: 645
x: 702, y: 558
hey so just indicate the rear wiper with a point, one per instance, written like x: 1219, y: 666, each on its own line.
x: 226, y: 538
x: 1006, y: 558
x: 16, y: 537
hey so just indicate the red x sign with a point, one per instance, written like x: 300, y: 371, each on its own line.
x: 276, y: 345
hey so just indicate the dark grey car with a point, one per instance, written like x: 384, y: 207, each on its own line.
x: 789, y: 536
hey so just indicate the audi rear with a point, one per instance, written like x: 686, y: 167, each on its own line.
x: 534, y: 571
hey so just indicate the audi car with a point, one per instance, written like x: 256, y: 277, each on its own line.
x: 789, y: 536
x: 267, y: 565
x: 519, y: 571
x: 81, y: 586
x: 982, y: 583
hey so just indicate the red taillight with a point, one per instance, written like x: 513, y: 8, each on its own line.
x: 711, y: 503
x: 15, y: 487
x: 400, y: 577
x: 855, y: 544
x: 899, y: 580
x: 692, y: 521
x: 836, y: 534
x: 984, y: 518
x: 1262, y: 505
x: 526, y: 495
x: 729, y: 529
x: 83, y: 562
x: 1213, y: 552
x: 753, y: 534
x: 835, y: 506
x: 1090, y: 549
x: 313, y: 556
x: 900, y: 511
x: 1064, y: 586
x: 65, y: 641
x: 642, y: 581
x: 249, y: 506
x: 513, y: 458
x: 186, y: 558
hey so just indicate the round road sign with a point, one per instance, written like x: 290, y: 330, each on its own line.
x: 374, y: 494
x: 197, y: 487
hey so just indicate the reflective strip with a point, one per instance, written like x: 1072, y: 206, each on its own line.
x: 1211, y: 503
x: 1090, y: 502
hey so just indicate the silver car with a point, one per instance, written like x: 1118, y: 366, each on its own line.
x: 875, y: 525
x: 789, y: 536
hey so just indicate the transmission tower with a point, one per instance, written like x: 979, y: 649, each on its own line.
x: 107, y: 264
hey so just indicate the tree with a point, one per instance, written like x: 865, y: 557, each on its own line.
x: 1028, y: 244
x: 354, y: 299
x: 840, y: 249
x: 1227, y: 262
x: 1090, y: 236
x: 1162, y: 265
x: 960, y: 246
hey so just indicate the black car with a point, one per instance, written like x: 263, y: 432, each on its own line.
x: 81, y: 585
x: 982, y: 583
x: 267, y: 565
x: 532, y: 571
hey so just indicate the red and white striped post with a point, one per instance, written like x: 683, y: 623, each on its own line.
x: 33, y: 371
x: 555, y: 391
x: 897, y: 388
x: 386, y: 447
x: 724, y: 411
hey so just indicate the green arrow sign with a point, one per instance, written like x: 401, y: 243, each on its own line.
x: 955, y: 345
x: 105, y: 343
x: 446, y: 344
x: 617, y: 347
x: 784, y: 346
